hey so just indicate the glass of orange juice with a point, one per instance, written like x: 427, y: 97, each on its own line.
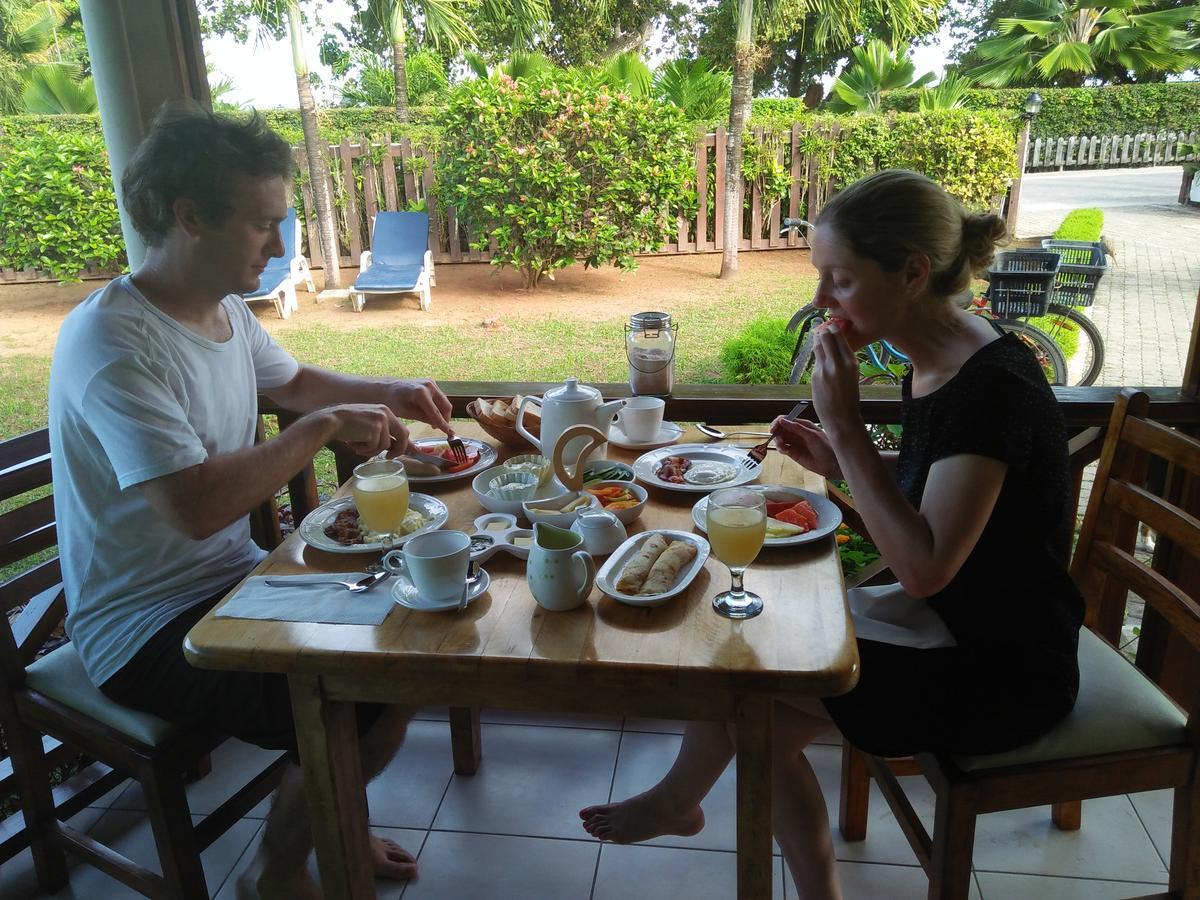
x: 380, y: 488
x: 737, y: 527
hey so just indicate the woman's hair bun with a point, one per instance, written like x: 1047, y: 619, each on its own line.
x: 980, y: 234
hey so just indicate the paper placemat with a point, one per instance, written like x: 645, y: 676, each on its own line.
x: 303, y: 601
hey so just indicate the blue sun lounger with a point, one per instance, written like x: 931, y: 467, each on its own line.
x: 399, y: 261
x: 278, y: 281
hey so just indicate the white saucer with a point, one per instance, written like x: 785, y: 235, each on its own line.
x: 404, y: 592
x: 668, y: 434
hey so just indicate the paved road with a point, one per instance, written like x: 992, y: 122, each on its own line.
x: 1145, y: 304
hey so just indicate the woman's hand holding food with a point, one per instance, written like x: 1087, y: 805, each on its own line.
x: 835, y: 383
x: 807, y: 444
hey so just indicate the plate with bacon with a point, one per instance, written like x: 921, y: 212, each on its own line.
x: 694, y: 468
x: 794, y: 516
x: 334, y: 526
x: 480, y: 455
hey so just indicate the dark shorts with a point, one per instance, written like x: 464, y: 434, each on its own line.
x: 950, y: 700
x: 252, y: 706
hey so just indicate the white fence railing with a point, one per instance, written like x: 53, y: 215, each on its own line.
x: 1110, y: 151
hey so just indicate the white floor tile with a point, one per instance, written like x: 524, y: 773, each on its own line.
x: 129, y: 833
x: 406, y: 794
x: 556, y: 720
x: 1154, y: 808
x: 454, y: 866
x: 998, y: 886
x: 18, y: 881
x: 533, y: 781
x: 1111, y: 845
x: 874, y: 881
x: 641, y: 871
x: 409, y: 839
x: 234, y: 763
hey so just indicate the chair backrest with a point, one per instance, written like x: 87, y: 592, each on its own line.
x: 27, y: 538
x: 1105, y: 566
x: 289, y: 230
x: 400, y: 238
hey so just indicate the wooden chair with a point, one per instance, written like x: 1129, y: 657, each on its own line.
x: 1125, y: 734
x: 50, y: 713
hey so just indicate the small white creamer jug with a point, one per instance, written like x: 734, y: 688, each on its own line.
x: 560, y: 572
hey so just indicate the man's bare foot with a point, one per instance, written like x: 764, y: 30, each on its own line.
x: 256, y: 884
x: 391, y: 860
x: 639, y: 818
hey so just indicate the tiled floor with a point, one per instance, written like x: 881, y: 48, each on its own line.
x: 511, y: 831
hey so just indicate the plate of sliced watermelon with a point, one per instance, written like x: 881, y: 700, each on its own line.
x: 480, y: 455
x: 794, y: 516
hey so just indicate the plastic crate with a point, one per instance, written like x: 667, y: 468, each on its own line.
x: 1082, y: 266
x: 1022, y: 282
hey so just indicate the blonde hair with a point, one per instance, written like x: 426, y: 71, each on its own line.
x: 888, y: 216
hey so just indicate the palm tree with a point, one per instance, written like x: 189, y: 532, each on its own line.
x: 876, y: 68
x: 53, y: 89
x: 693, y: 86
x: 521, y: 64
x: 27, y: 31
x: 949, y: 93
x: 629, y: 72
x: 1060, y: 42
x: 375, y: 84
x: 836, y: 20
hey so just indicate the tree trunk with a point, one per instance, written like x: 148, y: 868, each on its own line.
x: 739, y: 112
x: 318, y: 172
x: 400, y: 71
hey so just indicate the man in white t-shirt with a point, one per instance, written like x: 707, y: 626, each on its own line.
x: 153, y: 405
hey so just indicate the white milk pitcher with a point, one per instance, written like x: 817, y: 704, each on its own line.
x: 556, y: 562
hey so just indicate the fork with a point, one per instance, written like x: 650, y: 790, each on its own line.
x: 757, y: 453
x: 459, y: 449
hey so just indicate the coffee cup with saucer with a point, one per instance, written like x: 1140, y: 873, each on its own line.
x: 431, y: 572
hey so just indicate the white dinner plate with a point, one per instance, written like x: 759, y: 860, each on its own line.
x: 487, y: 459
x: 668, y: 434
x: 404, y: 592
x: 610, y: 572
x: 829, y: 517
x: 312, y: 529
x: 646, y: 465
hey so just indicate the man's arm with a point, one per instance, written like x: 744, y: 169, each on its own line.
x: 203, y: 499
x: 313, y: 388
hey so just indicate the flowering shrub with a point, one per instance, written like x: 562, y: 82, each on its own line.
x: 559, y: 167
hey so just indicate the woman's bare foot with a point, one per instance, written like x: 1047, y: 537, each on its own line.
x: 391, y: 860
x: 639, y: 818
x: 256, y: 884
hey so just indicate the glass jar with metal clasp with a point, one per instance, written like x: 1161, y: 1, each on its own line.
x: 650, y: 348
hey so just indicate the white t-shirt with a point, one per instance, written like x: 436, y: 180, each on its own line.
x: 135, y: 395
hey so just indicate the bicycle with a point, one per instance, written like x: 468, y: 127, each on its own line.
x: 883, y: 361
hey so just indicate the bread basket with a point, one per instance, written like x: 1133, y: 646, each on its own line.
x: 505, y: 433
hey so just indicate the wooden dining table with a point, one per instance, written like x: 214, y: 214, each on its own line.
x: 678, y: 661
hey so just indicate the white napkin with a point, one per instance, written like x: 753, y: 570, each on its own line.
x: 887, y: 614
x: 303, y: 601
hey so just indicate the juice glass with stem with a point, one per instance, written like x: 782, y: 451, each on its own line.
x: 380, y: 488
x: 737, y: 527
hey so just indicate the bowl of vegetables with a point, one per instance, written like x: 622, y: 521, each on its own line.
x: 606, y: 470
x: 624, y: 499
x: 561, y: 510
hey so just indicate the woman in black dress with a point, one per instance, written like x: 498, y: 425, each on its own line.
x: 973, y: 650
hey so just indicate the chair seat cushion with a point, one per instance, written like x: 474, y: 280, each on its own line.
x: 269, y: 282
x: 60, y: 675
x: 384, y: 278
x: 1118, y: 709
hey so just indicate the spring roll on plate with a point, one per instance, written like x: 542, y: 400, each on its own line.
x: 633, y: 576
x: 667, y: 567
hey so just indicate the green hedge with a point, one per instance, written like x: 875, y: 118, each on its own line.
x: 1112, y: 109
x: 1081, y: 225
x: 760, y: 354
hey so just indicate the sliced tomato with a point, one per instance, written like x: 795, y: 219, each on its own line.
x: 472, y: 458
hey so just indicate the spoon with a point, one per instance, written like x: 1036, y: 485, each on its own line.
x: 705, y: 428
x: 354, y: 587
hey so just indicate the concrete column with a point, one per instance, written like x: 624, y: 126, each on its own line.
x: 143, y: 53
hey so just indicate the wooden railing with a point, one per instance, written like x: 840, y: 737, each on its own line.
x: 1110, y: 151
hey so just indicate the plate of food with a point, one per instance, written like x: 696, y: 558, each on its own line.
x: 335, y: 527
x: 480, y: 455
x: 794, y: 516
x: 695, y: 468
x: 652, y: 567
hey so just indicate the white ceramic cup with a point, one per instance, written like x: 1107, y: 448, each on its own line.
x: 642, y: 417
x: 436, y: 563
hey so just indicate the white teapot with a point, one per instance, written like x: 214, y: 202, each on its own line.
x: 564, y: 406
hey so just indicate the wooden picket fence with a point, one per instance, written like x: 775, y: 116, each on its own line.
x: 1110, y: 151
x: 393, y: 175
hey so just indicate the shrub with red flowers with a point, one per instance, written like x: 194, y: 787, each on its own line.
x: 560, y: 167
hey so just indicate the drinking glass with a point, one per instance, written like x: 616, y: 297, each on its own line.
x: 737, y: 527
x: 380, y: 490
